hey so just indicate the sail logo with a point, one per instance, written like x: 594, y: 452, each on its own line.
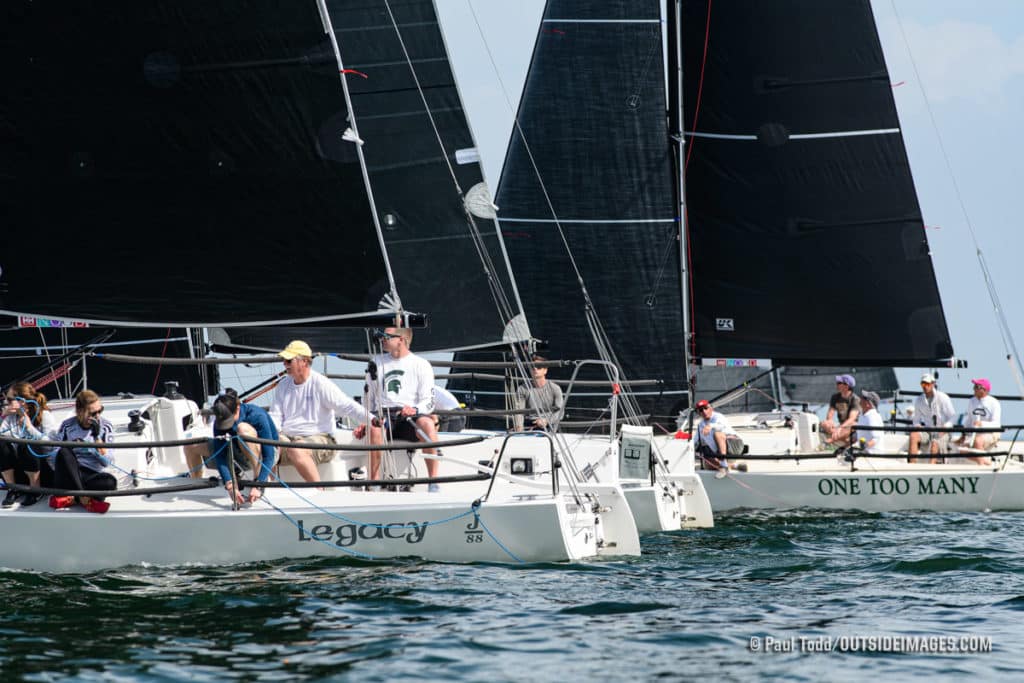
x: 29, y: 321
x: 725, y: 325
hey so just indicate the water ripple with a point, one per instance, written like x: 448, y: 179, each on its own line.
x: 687, y: 608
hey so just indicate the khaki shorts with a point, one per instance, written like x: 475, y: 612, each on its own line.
x: 320, y: 455
x: 941, y: 437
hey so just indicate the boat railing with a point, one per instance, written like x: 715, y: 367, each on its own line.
x: 853, y: 452
x: 211, y: 482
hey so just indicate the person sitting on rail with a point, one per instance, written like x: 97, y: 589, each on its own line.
x: 404, y: 389
x: 983, y: 410
x: 304, y: 410
x: 232, y: 417
x: 932, y: 408
x: 843, y: 409
x: 26, y: 416
x: 869, y: 439
x: 713, y: 436
x: 82, y: 468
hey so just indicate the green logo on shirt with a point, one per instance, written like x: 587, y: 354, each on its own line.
x: 393, y: 381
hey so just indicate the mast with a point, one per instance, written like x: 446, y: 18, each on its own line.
x: 678, y: 141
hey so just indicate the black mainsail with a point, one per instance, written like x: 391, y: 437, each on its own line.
x: 807, y: 241
x: 805, y: 244
x: 199, y: 165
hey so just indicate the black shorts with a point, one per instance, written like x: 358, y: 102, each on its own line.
x: 401, y: 428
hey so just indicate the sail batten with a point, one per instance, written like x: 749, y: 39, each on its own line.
x: 591, y: 139
x: 806, y: 235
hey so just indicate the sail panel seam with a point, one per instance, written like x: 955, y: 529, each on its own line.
x: 504, y: 219
x: 602, y: 21
x: 799, y: 136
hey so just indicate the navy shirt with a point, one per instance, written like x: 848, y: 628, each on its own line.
x: 265, y: 429
x: 71, y: 430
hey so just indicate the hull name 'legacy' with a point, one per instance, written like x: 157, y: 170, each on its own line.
x: 345, y: 535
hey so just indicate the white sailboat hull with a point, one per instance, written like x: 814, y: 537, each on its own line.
x: 197, y: 529
x: 676, y: 501
x: 949, y: 488
x: 513, y: 520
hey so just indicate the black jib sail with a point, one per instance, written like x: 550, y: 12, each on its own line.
x: 587, y: 187
x: 806, y: 239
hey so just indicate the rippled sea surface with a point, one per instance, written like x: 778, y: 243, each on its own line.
x: 690, y: 606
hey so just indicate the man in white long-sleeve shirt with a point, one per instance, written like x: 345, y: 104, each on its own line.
x: 983, y: 410
x: 404, y: 389
x: 304, y: 409
x: 933, y: 408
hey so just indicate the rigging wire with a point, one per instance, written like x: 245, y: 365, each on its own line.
x: 505, y: 308
x: 598, y: 334
x: 1012, y: 356
x: 159, y: 367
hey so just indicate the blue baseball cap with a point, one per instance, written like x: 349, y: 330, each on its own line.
x: 848, y: 380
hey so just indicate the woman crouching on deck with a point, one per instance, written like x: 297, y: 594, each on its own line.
x: 81, y: 469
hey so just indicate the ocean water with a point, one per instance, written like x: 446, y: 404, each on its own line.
x: 796, y: 583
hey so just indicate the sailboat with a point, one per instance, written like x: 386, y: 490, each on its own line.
x: 752, y: 211
x: 265, y: 168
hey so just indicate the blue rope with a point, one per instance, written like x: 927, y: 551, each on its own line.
x: 342, y: 518
x: 476, y: 514
x: 354, y: 553
x: 474, y: 510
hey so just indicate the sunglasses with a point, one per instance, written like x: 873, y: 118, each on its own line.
x: 94, y: 413
x: 703, y: 408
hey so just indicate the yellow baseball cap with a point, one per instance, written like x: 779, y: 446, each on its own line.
x: 296, y: 348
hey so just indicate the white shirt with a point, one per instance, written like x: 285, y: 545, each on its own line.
x: 311, y: 407
x: 872, y: 438
x: 405, y: 381
x: 987, y: 410
x: 445, y: 400
x: 718, y: 424
x: 937, y: 412
x: 13, y: 426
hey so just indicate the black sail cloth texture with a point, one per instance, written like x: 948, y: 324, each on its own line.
x: 592, y: 116
x: 797, y: 181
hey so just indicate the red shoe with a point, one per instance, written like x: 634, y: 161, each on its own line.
x: 97, y: 506
x: 60, y: 502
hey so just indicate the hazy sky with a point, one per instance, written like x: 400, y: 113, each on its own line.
x: 970, y: 62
